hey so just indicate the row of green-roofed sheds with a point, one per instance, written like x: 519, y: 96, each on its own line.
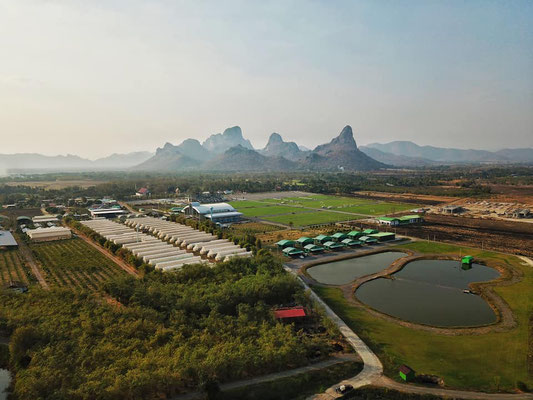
x: 336, y: 241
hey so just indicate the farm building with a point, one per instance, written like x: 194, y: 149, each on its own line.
x: 48, y: 234
x: 368, y: 240
x: 285, y: 243
x: 406, y: 373
x: 112, y: 212
x: 333, y: 245
x: 351, y: 242
x: 383, y: 236
x: 322, y: 239
x: 292, y: 252
x: 452, y: 209
x: 313, y: 248
x: 221, y: 213
x: 369, y: 232
x: 304, y: 241
x: 355, y: 234
x: 290, y: 313
x: 339, y: 236
x: 40, y: 219
x: 142, y: 192
x: 7, y: 240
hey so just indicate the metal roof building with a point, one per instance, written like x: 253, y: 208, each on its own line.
x: 48, y: 234
x: 7, y: 239
x: 217, y: 212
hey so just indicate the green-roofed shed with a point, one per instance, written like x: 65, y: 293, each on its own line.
x: 304, y: 241
x: 322, y: 239
x: 313, y: 248
x: 466, y: 262
x: 351, y: 242
x: 292, y: 252
x: 383, y: 236
x: 368, y: 239
x: 369, y: 231
x: 333, y: 245
x: 355, y: 234
x: 410, y: 219
x: 285, y: 243
x: 339, y: 236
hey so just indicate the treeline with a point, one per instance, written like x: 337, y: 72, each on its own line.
x: 172, y: 333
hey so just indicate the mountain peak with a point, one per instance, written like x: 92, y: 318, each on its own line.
x: 345, y: 137
x: 231, y: 137
x: 235, y: 132
x: 274, y: 138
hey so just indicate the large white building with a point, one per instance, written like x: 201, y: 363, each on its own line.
x: 221, y: 213
x: 48, y: 234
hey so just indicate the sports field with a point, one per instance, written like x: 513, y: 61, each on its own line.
x: 316, y: 209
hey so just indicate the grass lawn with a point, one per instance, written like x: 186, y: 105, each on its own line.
x: 489, y: 362
x: 312, y: 218
x: 271, y: 210
x: 254, y: 228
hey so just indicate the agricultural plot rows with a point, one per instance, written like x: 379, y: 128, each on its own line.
x: 316, y: 209
x: 73, y: 263
x: 13, y: 268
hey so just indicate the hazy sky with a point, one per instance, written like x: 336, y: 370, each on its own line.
x: 95, y: 77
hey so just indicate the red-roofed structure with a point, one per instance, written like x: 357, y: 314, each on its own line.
x: 142, y: 192
x: 294, y: 312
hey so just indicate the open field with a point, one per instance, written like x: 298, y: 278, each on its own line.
x: 506, y: 236
x: 312, y: 218
x: 58, y: 184
x: 73, y: 263
x: 13, y: 268
x: 254, y: 228
x: 489, y: 362
x: 310, y: 209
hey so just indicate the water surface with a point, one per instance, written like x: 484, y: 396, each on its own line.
x: 5, y: 379
x: 345, y: 271
x: 431, y: 292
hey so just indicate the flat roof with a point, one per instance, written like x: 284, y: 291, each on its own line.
x: 7, y: 239
x: 224, y: 214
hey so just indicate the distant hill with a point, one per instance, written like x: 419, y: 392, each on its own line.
x: 451, y: 155
x: 239, y: 158
x: 221, y: 142
x: 341, y: 154
x: 393, y: 159
x: 34, y: 161
x: 276, y: 147
x: 170, y: 158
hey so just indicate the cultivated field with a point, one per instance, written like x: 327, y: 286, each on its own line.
x: 13, y: 268
x: 314, y: 209
x: 73, y: 263
x: 489, y: 361
x: 58, y: 184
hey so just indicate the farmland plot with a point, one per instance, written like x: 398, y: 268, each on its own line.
x: 13, y: 268
x: 73, y: 263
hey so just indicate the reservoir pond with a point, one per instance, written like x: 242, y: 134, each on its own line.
x: 344, y: 271
x: 431, y: 292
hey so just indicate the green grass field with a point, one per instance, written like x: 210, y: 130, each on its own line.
x: 73, y: 263
x: 302, y: 206
x: 488, y: 362
x: 312, y: 218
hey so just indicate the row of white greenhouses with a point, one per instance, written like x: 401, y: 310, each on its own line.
x: 189, y: 238
x: 154, y: 251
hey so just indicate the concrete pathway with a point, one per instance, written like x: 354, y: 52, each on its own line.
x: 372, y: 370
x: 272, y: 377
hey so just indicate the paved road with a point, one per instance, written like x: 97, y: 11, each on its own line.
x: 272, y: 377
x: 372, y: 370
x: 28, y: 257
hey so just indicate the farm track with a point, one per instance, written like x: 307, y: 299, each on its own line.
x: 121, y: 263
x: 28, y: 257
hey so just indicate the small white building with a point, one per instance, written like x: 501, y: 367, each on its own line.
x: 44, y: 219
x: 49, y: 234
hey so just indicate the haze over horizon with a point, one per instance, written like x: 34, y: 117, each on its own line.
x: 95, y: 78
